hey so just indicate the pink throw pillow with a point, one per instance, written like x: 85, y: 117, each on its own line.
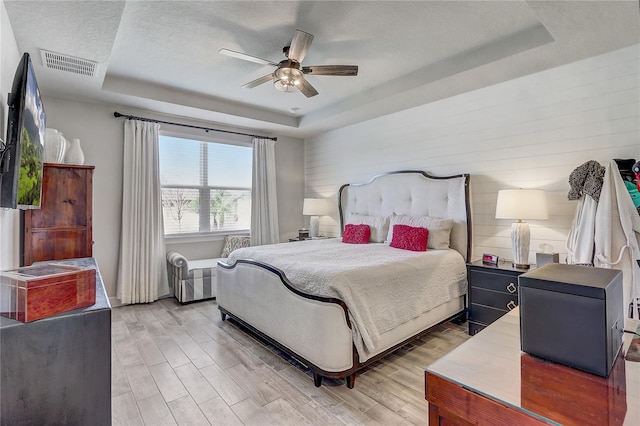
x: 356, y: 234
x: 409, y: 238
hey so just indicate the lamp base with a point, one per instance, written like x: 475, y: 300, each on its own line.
x: 520, y: 265
x: 314, y: 226
x: 520, y: 239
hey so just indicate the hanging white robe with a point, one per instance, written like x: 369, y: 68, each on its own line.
x: 617, y: 235
x: 581, y: 239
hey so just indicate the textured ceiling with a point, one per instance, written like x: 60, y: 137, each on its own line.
x: 162, y: 55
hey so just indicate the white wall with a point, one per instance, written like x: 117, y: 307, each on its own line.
x: 526, y: 133
x: 101, y: 140
x: 9, y: 219
x: 101, y: 137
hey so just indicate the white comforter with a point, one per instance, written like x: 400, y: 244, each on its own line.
x: 382, y: 286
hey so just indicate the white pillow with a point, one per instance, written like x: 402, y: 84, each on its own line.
x: 379, y: 225
x: 439, y: 229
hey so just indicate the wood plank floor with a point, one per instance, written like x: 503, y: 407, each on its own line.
x: 175, y: 364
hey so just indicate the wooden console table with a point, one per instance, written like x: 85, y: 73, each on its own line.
x: 488, y: 380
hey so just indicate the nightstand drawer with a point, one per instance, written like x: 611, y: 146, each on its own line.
x: 493, y: 299
x: 495, y: 281
x: 485, y: 314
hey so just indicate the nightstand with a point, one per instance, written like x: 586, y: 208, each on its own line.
x: 304, y: 239
x: 492, y: 292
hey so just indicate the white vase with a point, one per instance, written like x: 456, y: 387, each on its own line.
x: 55, y: 146
x: 64, y: 143
x: 74, y: 153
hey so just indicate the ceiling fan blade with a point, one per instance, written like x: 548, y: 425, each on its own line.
x: 307, y: 89
x: 258, y: 81
x: 246, y: 57
x: 331, y: 70
x: 300, y: 46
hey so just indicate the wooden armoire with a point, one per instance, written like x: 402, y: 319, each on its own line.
x: 62, y: 227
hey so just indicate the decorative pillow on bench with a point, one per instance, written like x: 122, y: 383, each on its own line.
x: 234, y: 242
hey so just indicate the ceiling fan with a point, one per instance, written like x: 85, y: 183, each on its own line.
x: 289, y: 74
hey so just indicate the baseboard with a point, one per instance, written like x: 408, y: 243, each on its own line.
x: 116, y: 303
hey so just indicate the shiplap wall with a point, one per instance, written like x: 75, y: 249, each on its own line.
x: 531, y: 132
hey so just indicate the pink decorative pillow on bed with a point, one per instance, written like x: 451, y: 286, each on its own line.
x: 379, y: 225
x: 409, y: 238
x: 356, y: 234
x: 439, y: 229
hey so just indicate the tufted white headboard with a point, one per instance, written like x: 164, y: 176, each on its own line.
x: 413, y: 193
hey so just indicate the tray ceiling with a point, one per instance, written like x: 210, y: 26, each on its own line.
x: 163, y: 55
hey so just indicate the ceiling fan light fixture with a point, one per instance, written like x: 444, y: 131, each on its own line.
x: 285, y: 87
x: 287, y: 79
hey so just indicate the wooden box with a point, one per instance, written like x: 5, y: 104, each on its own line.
x: 35, y: 292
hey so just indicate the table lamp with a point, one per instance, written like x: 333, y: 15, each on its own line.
x: 314, y: 207
x: 521, y: 204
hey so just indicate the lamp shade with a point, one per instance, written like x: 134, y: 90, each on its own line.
x: 315, y: 207
x: 522, y: 204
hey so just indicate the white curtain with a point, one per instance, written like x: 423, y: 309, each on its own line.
x: 142, y: 275
x: 264, y: 202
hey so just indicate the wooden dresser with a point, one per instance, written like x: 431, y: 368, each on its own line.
x: 62, y: 228
x: 488, y: 381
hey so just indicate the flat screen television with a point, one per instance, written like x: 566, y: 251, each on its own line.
x: 21, y: 157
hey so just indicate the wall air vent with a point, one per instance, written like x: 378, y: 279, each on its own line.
x: 58, y: 61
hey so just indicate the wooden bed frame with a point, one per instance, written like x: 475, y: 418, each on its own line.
x: 316, y: 330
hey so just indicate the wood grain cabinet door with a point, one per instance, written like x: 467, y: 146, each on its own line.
x: 62, y: 228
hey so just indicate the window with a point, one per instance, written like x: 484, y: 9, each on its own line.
x: 206, y: 186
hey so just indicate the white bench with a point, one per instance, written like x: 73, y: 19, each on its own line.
x: 193, y: 280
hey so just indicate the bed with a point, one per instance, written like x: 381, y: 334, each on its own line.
x: 338, y: 307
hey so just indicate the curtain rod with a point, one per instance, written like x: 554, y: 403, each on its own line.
x: 207, y: 129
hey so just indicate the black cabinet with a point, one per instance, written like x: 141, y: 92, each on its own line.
x: 493, y: 291
x: 57, y: 370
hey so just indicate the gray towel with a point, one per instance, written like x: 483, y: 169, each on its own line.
x: 586, y: 179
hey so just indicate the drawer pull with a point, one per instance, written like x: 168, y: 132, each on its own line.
x: 511, y: 288
x: 511, y: 305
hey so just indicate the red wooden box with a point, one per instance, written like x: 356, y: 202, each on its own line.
x: 35, y: 292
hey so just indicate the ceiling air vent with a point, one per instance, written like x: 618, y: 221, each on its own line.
x: 58, y: 61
